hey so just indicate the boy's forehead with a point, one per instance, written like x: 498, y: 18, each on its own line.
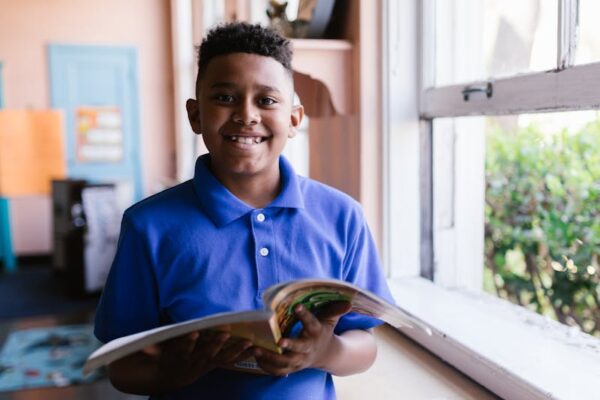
x: 239, y: 67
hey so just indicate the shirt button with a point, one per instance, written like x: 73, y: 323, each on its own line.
x: 260, y: 217
x: 264, y: 252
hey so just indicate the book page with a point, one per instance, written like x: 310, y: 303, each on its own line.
x: 251, y: 325
x: 314, y: 294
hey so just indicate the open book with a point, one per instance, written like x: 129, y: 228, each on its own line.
x: 263, y: 327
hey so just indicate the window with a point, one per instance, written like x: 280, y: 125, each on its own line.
x: 459, y: 173
x: 495, y: 74
x: 588, y: 47
x: 542, y: 219
x: 493, y: 38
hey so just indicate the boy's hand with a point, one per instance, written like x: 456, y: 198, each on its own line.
x: 313, y: 349
x: 183, y: 360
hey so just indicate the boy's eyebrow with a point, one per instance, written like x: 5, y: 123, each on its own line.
x: 231, y: 85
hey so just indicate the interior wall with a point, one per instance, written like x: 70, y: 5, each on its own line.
x: 28, y: 26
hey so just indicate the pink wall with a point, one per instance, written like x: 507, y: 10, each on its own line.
x: 27, y: 26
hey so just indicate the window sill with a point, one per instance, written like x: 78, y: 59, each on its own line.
x: 513, y: 352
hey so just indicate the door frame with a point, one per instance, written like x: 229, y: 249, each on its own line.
x: 58, y: 98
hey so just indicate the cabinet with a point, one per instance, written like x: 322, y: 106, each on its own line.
x: 323, y: 80
x: 83, y: 248
x: 346, y: 149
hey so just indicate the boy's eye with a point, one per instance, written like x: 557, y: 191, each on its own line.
x: 267, y: 101
x: 224, y: 98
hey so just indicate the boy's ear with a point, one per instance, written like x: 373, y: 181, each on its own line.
x: 295, y: 119
x: 193, y: 112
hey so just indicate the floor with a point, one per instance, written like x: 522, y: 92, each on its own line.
x: 46, y: 293
x: 99, y: 390
x: 35, y: 296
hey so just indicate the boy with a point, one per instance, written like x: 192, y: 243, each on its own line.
x: 243, y: 223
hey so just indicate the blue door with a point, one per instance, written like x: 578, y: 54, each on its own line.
x: 97, y: 87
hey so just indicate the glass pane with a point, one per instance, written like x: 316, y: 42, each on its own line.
x: 481, y: 39
x: 542, y: 214
x: 588, y: 46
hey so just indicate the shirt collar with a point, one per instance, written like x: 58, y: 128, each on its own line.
x: 222, y: 207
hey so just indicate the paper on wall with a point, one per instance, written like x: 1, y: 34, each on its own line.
x: 103, y: 220
x: 31, y: 151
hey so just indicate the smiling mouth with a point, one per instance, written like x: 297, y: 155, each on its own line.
x: 246, y: 139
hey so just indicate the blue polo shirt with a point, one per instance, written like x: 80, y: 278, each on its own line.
x: 196, y: 249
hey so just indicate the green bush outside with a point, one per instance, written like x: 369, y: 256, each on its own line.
x: 542, y: 225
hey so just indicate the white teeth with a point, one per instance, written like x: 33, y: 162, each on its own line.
x: 246, y: 140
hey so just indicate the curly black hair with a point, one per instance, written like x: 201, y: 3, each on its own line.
x: 242, y: 37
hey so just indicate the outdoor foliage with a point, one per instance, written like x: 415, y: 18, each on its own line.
x: 542, y: 229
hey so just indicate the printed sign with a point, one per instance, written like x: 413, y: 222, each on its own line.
x: 99, y: 134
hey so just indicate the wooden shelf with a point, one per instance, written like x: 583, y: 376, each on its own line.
x: 329, y: 61
x: 321, y: 44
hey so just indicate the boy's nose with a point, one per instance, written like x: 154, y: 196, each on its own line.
x: 246, y: 114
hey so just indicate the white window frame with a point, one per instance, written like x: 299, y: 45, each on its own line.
x: 513, y: 352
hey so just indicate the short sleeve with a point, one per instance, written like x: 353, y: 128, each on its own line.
x: 363, y: 269
x: 129, y: 301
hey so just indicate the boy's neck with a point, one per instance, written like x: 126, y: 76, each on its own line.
x: 256, y: 191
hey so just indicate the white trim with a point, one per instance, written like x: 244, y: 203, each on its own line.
x: 510, y: 350
x: 575, y: 88
x: 568, y: 22
x: 257, y: 11
x: 183, y: 71
x: 401, y: 132
x: 426, y: 42
x: 458, y: 203
x: 385, y: 139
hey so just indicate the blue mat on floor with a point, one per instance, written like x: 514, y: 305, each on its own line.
x: 45, y: 357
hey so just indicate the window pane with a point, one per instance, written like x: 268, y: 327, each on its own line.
x: 481, y: 39
x: 588, y: 46
x: 542, y: 216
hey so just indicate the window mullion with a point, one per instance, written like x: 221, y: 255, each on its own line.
x: 568, y: 26
x: 427, y: 43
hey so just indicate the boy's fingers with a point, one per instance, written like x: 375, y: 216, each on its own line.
x: 182, y: 345
x: 153, y: 350
x: 272, y: 362
x: 233, y: 352
x: 310, y: 323
x: 208, y: 347
x: 244, y: 355
x: 328, y: 314
x: 334, y: 310
x: 295, y: 345
x: 217, y: 344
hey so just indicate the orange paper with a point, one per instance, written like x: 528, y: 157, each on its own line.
x: 31, y: 151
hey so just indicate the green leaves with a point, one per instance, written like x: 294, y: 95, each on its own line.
x: 543, y: 221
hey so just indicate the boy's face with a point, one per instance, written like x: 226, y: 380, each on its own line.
x: 245, y: 115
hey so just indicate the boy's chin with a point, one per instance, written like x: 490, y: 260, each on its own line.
x: 252, y: 168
